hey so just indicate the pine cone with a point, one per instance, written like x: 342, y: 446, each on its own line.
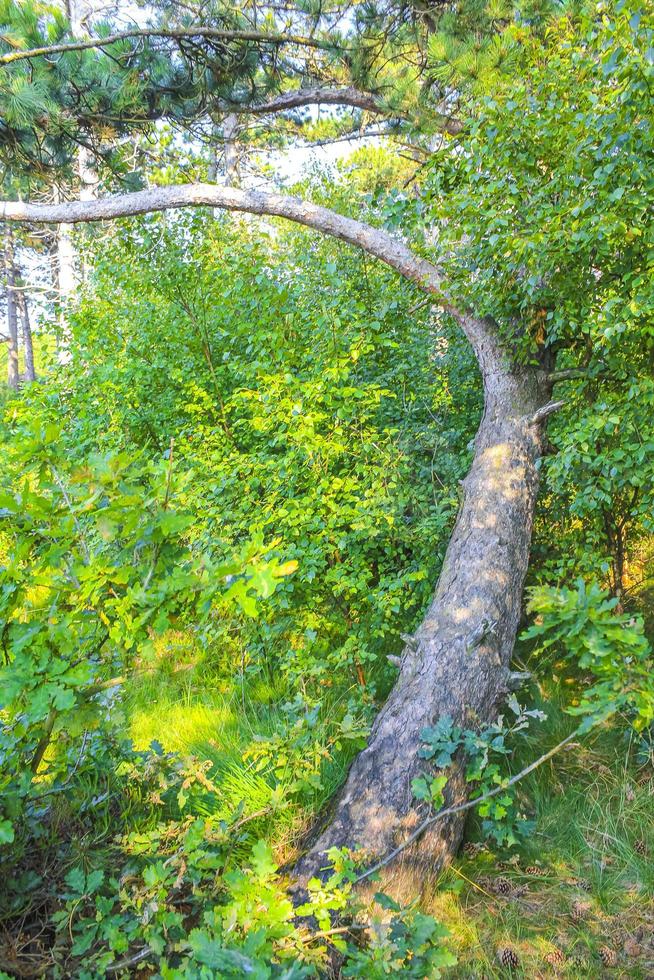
x: 632, y: 947
x: 640, y: 847
x: 579, y: 910
x: 508, y: 957
x: 502, y: 886
x: 535, y: 869
x: 608, y: 956
x: 555, y: 958
x: 579, y: 883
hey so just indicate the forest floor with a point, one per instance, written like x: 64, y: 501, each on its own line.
x: 576, y: 899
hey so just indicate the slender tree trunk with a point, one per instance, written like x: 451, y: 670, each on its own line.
x: 66, y: 285
x: 614, y: 530
x: 30, y: 373
x: 71, y: 271
x: 13, y: 375
x: 231, y: 151
x: 69, y: 277
x: 224, y: 133
x: 212, y: 168
x: 457, y: 664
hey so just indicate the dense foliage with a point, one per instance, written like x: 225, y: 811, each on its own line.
x: 225, y: 508
x: 548, y: 218
x: 269, y: 469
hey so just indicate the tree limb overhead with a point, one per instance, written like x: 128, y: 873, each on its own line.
x: 345, y: 96
x: 211, y: 33
x: 375, y: 241
x: 296, y: 99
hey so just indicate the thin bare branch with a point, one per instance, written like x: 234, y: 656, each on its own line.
x: 462, y: 807
x: 129, y: 961
x: 174, y: 34
x: 545, y: 412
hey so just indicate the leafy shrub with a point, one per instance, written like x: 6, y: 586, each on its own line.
x: 610, y: 646
x: 182, y: 893
x: 97, y: 560
x: 485, y: 751
x: 325, y: 418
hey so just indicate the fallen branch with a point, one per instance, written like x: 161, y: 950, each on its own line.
x: 461, y: 807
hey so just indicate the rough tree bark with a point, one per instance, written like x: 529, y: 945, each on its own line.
x: 458, y: 661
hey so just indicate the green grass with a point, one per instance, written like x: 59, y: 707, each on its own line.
x: 188, y: 708
x: 592, y: 805
x: 593, y: 844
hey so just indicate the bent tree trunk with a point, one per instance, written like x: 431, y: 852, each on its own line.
x: 457, y: 663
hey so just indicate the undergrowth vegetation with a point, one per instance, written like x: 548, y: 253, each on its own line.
x: 223, y: 580
x: 214, y: 674
x: 222, y: 516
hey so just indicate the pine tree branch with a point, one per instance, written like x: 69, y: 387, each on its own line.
x: 209, y: 33
x: 347, y: 96
x: 298, y: 98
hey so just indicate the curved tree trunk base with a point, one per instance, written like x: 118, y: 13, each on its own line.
x: 457, y: 664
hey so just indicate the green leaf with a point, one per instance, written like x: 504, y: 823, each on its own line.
x: 262, y: 860
x: 6, y: 832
